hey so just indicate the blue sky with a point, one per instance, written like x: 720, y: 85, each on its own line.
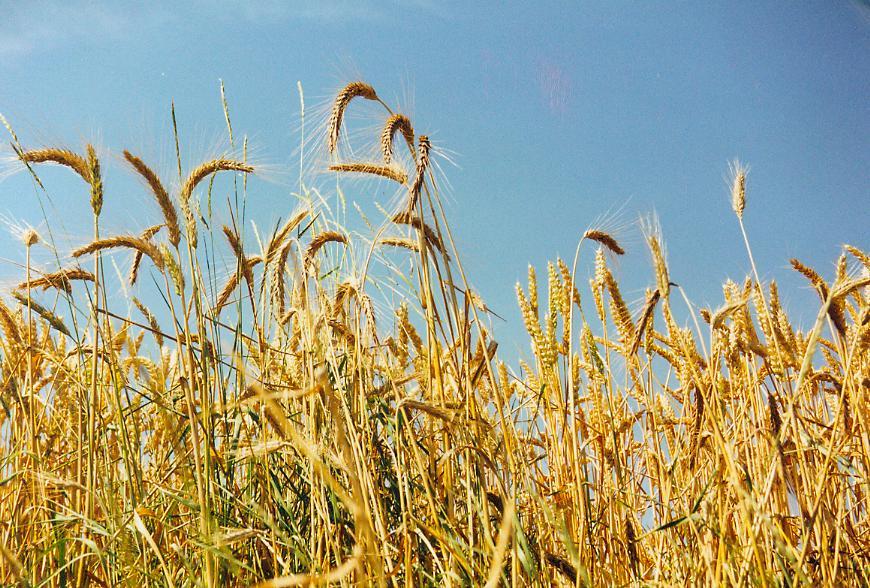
x: 555, y: 114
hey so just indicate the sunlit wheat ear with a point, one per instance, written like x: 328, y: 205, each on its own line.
x: 396, y: 123
x: 403, y: 242
x: 208, y: 168
x: 738, y: 187
x: 128, y: 241
x: 9, y: 324
x: 51, y: 318
x: 423, y: 149
x: 61, y: 280
x: 835, y: 310
x: 152, y: 321
x: 277, y: 242
x: 96, y: 180
x: 160, y: 194
x: 63, y: 157
x: 384, y: 171
x: 348, y: 93
x: 236, y: 246
x: 247, y: 266
x: 859, y: 255
x: 432, y: 237
x: 319, y: 241
x: 137, y: 256
x: 645, y: 316
x: 605, y: 239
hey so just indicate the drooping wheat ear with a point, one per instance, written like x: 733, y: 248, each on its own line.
x: 30, y: 238
x: 278, y: 285
x: 96, y: 180
x: 61, y: 280
x: 738, y: 188
x: 51, y: 318
x: 137, y: 256
x: 248, y: 264
x: 835, y: 310
x: 423, y: 148
x: 432, y: 237
x: 129, y: 241
x: 152, y: 322
x: 319, y: 241
x: 718, y: 317
x: 160, y: 194
x: 236, y: 246
x: 276, y: 244
x: 348, y: 93
x: 859, y: 255
x: 605, y: 239
x: 208, y: 168
x: 61, y: 157
x: 385, y: 171
x: 403, y: 242
x: 397, y: 122
x: 9, y: 324
x: 645, y: 317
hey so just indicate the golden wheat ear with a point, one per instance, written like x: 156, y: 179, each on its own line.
x: 348, y: 93
x: 396, y: 123
x: 160, y: 195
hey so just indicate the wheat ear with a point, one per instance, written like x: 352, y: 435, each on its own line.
x: 160, y: 194
x: 348, y: 93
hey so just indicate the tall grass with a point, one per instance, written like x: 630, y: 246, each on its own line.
x: 281, y: 427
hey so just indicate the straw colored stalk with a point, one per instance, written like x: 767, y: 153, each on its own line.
x: 396, y: 123
x: 384, y: 171
x: 160, y: 195
x: 61, y: 280
x: 605, y: 239
x: 348, y: 93
x: 129, y: 241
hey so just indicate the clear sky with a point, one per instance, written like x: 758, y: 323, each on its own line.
x: 555, y: 114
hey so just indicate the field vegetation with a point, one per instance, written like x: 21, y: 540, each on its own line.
x: 331, y: 407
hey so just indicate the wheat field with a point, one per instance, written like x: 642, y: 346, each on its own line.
x: 276, y: 423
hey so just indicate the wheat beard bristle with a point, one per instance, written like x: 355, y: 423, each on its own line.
x: 160, y: 194
x: 348, y: 93
x: 397, y: 122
